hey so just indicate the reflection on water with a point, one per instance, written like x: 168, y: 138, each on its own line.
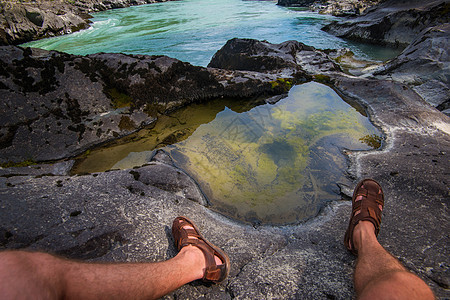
x: 271, y: 164
x: 136, y: 149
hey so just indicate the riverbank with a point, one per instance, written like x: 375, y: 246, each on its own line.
x: 23, y: 21
x: 73, y: 102
x: 125, y: 215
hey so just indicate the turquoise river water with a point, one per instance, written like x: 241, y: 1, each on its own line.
x: 193, y: 30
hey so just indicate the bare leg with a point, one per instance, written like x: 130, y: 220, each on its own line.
x: 378, y: 274
x: 28, y: 275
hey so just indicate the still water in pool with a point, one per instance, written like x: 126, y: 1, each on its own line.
x: 273, y: 163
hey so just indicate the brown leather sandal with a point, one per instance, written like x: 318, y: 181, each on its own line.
x: 183, y: 237
x: 372, y: 196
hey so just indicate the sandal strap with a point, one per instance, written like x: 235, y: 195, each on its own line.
x: 368, y: 208
x: 191, y: 236
x: 213, y: 272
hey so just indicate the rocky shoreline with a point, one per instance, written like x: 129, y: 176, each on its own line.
x: 57, y: 105
x: 22, y: 22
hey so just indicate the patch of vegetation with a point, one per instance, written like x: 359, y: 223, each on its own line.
x: 372, y: 140
x: 348, y: 54
x: 322, y: 78
x: 119, y: 99
x: 282, y: 84
x: 11, y: 164
x: 126, y: 123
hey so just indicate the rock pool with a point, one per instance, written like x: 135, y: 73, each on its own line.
x: 272, y: 163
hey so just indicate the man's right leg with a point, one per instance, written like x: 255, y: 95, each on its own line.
x: 378, y: 275
x: 35, y: 275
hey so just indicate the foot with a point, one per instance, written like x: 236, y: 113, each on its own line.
x: 367, y: 205
x: 213, y: 263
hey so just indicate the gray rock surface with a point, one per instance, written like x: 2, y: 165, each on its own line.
x: 425, y: 66
x: 343, y: 8
x: 423, y: 28
x: 126, y: 215
x: 392, y: 22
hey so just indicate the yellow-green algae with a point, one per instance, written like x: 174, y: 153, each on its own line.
x: 254, y: 165
x: 135, y: 149
x: 271, y: 163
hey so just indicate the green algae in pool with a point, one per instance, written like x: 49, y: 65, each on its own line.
x: 272, y: 164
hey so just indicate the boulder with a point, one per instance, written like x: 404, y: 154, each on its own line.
x: 333, y: 7
x: 291, y: 57
x: 23, y: 22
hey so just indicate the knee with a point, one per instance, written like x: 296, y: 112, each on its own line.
x: 397, y: 285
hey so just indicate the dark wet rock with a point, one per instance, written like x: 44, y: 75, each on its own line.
x: 52, y: 110
x: 21, y: 22
x: 292, y: 58
x: 296, y: 3
x: 392, y: 22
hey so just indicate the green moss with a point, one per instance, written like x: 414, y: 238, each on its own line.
x: 119, y: 99
x: 322, y: 78
x: 282, y: 84
x: 11, y: 164
x: 372, y: 140
x: 126, y: 123
x: 348, y: 54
